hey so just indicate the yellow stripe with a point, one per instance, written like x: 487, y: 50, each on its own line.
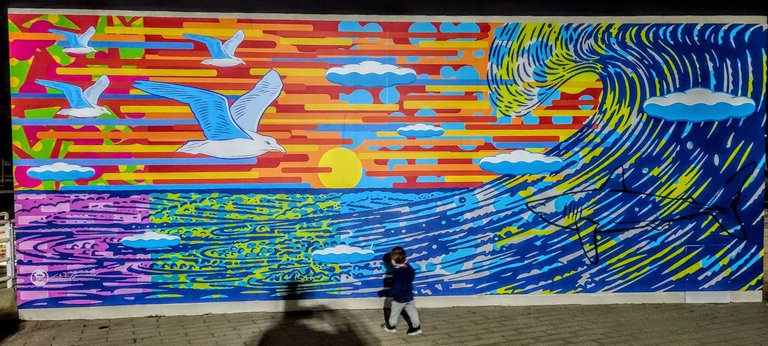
x: 730, y: 158
x: 317, y: 41
x: 301, y: 147
x: 545, y: 112
x: 746, y: 154
x: 135, y: 71
x: 690, y: 270
x: 466, y: 88
x: 647, y: 260
x: 131, y: 148
x: 469, y: 178
x: 446, y: 104
x: 154, y: 109
x: 313, y: 121
x: 427, y: 155
x: 525, y: 235
x: 681, y: 261
x: 166, y: 32
x: 181, y: 175
x: 464, y: 133
x: 673, y: 255
x: 453, y: 44
x: 350, y: 107
x: 223, y: 92
x: 751, y: 283
x: 290, y: 71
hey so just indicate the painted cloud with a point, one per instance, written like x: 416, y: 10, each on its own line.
x: 342, y: 254
x: 61, y: 171
x: 151, y: 240
x: 370, y: 74
x: 420, y: 131
x: 521, y: 162
x: 699, y: 105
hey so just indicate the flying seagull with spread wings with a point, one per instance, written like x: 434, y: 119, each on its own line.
x: 230, y: 131
x: 222, y: 54
x: 78, y: 44
x: 82, y: 103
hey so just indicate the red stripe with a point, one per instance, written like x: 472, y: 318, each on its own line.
x: 526, y: 139
x: 306, y: 170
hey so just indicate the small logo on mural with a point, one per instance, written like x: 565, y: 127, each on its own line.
x: 39, y: 277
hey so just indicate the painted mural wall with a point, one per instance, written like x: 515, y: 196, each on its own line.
x: 177, y: 159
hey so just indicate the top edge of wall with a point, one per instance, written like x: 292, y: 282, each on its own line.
x: 693, y: 19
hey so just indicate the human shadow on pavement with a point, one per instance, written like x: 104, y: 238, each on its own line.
x: 305, y: 325
x: 9, y: 325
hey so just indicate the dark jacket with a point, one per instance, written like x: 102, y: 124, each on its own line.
x: 402, y: 284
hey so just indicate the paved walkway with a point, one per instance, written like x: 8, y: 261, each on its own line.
x: 646, y: 324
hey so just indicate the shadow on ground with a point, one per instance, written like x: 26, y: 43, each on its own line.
x: 9, y: 316
x: 317, y: 325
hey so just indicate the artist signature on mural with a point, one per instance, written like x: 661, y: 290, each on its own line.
x: 78, y: 276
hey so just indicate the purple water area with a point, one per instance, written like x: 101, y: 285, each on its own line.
x: 70, y: 252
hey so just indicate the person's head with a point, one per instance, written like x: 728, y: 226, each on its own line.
x: 397, y: 254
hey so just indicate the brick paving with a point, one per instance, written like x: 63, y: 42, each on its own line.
x: 631, y: 324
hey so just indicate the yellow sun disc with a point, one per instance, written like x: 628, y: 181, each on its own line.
x: 346, y: 168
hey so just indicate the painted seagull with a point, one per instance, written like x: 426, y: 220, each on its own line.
x: 222, y: 55
x: 78, y: 44
x: 591, y: 212
x: 230, y: 132
x: 82, y: 103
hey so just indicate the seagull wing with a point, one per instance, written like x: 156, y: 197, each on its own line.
x: 93, y: 92
x: 231, y: 44
x: 71, y: 37
x: 249, y: 108
x: 73, y: 93
x: 86, y: 36
x: 210, y: 108
x: 214, y: 45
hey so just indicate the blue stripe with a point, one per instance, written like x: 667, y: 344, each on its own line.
x: 103, y: 96
x: 178, y: 187
x: 121, y: 44
x: 450, y: 82
x: 342, y: 60
x: 361, y: 127
x: 511, y: 145
x: 103, y: 122
x: 111, y: 162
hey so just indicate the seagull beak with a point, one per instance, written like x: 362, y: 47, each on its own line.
x: 279, y: 148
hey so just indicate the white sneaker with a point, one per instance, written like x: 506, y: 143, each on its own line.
x: 389, y: 330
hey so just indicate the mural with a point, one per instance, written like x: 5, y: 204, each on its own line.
x: 172, y: 160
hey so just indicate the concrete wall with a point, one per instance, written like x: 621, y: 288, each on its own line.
x: 512, y: 157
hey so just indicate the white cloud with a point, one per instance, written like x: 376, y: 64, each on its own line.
x: 374, y: 67
x: 521, y: 162
x: 151, y: 236
x: 699, y: 96
x: 420, y: 130
x: 61, y: 171
x: 151, y: 240
x: 698, y: 105
x: 61, y: 167
x: 342, y: 249
x: 342, y: 254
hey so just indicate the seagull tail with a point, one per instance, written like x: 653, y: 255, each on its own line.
x: 192, y: 147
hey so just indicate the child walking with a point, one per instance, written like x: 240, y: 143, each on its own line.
x: 401, y: 292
